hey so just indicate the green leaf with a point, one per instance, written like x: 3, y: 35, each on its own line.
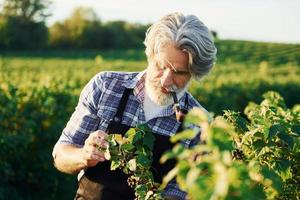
x: 111, y: 141
x: 171, y: 174
x: 174, y: 153
x: 284, y: 164
x: 274, y: 98
x: 143, y: 127
x: 141, y: 190
x: 149, y: 194
x: 120, y: 139
x: 222, y: 182
x: 242, y: 124
x: 114, y: 151
x: 183, y: 169
x: 137, y: 137
x: 107, y: 154
x: 192, y: 176
x: 115, y: 164
x: 149, y: 140
x: 125, y: 170
x: 275, y: 130
x: 127, y: 147
x: 239, y: 122
x: 287, y: 139
x: 130, y: 134
x: 185, y: 135
x: 195, y: 116
x: 285, y: 169
x: 219, y: 138
x: 132, y: 165
x: 296, y: 129
x: 264, y: 151
x: 259, y: 135
x: 143, y: 161
x: 258, y: 145
x: 270, y: 174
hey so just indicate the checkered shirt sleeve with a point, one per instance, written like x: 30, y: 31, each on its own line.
x: 84, y: 119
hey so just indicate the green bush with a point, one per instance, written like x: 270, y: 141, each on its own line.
x: 242, y: 158
x: 30, y: 123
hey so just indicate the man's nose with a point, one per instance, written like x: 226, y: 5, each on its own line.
x: 167, y: 79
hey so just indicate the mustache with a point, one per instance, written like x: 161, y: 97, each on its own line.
x: 156, y: 83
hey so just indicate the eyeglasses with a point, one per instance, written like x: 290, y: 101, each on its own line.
x: 164, y: 65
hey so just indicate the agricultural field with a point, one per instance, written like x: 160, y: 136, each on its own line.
x: 39, y: 91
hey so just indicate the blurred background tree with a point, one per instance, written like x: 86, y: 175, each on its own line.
x: 22, y: 24
x: 84, y: 30
x: 81, y: 30
x: 29, y: 10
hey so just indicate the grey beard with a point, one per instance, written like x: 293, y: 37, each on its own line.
x: 153, y: 89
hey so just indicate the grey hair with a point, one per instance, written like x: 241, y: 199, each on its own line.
x: 187, y: 33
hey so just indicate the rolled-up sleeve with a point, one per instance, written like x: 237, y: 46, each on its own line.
x: 84, y: 119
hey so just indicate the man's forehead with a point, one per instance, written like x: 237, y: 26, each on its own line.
x: 173, y: 56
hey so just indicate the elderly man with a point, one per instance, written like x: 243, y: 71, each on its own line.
x: 178, y: 48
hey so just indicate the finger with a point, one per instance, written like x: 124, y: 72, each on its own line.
x: 98, y: 152
x: 89, y: 141
x: 97, y: 157
x: 97, y: 144
x: 93, y: 140
x: 94, y: 150
x: 100, y: 134
x: 102, y: 143
x: 93, y: 155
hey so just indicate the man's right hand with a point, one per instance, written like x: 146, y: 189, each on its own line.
x: 91, y: 155
x: 71, y: 159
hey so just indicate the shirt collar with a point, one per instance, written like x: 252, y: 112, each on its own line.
x: 131, y: 83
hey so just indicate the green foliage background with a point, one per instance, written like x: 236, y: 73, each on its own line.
x: 39, y: 91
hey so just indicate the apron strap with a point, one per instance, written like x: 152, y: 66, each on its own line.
x: 122, y: 105
x: 184, y: 110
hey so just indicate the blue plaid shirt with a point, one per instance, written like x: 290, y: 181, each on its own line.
x: 99, y: 101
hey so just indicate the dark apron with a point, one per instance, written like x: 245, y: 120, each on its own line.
x: 100, y: 183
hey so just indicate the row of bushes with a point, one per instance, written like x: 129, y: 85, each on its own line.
x: 255, y: 52
x: 237, y: 96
